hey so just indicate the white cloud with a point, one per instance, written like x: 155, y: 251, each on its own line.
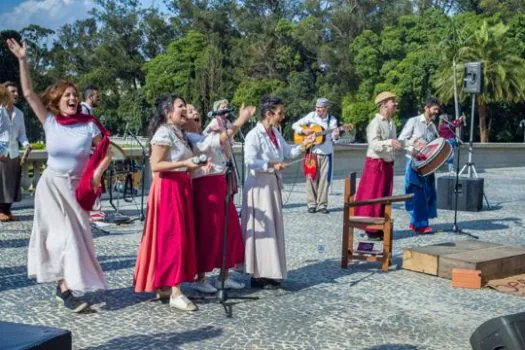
x: 47, y: 13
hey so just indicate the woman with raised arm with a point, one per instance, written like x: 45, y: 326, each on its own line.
x: 262, y: 219
x: 210, y: 186
x: 167, y: 254
x: 61, y: 246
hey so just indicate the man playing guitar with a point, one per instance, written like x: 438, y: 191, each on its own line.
x: 318, y: 161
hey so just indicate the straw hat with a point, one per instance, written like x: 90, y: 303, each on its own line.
x: 383, y: 96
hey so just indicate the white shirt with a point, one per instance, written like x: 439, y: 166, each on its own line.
x: 169, y: 135
x: 326, y: 147
x: 86, y: 109
x: 68, y: 146
x: 209, y: 145
x: 418, y: 128
x: 12, y: 131
x: 379, y: 134
x: 217, y: 124
x: 259, y: 150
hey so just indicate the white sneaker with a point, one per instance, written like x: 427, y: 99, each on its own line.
x: 181, y: 302
x: 229, y: 284
x: 203, y: 286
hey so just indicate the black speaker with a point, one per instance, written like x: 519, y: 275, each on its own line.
x: 473, y: 78
x: 501, y: 333
x: 470, y: 193
x: 24, y: 336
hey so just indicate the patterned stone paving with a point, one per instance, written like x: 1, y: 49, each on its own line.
x: 322, y: 307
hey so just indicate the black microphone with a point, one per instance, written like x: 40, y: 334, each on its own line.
x: 222, y: 112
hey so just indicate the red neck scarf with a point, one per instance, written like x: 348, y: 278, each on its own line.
x: 86, y: 195
x: 273, y: 138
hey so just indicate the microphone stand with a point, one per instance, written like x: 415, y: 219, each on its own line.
x: 455, y: 227
x: 242, y: 159
x: 222, y: 293
x: 142, y: 178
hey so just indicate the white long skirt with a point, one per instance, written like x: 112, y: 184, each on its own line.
x: 61, y: 244
x: 262, y: 227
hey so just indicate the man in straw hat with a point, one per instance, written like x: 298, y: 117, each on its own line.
x: 377, y: 179
x: 319, y: 156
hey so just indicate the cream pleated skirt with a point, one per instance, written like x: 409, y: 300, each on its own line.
x: 262, y: 227
x: 61, y: 244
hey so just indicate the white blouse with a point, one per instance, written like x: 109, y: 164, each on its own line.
x: 12, y: 131
x: 68, y: 146
x: 259, y: 150
x: 175, y: 139
x: 209, y: 145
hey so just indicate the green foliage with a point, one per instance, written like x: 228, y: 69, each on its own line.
x: 347, y: 51
x: 249, y: 92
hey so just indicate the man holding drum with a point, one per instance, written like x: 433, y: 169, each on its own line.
x: 418, y: 132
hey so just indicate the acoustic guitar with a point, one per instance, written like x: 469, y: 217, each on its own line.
x: 319, y: 131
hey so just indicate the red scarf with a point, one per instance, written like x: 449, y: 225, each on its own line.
x: 273, y: 138
x: 85, y: 194
x: 310, y: 165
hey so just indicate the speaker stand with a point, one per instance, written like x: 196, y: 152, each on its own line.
x: 469, y: 167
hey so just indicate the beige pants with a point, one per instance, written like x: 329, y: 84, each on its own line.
x: 317, y: 191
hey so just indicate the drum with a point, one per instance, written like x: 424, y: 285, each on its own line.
x: 428, y: 159
x: 117, y: 153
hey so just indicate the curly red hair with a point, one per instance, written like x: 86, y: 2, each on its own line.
x: 51, y: 97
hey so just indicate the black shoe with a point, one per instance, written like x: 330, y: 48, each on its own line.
x: 312, y: 210
x: 324, y: 211
x: 69, y: 301
x: 272, y: 284
x: 258, y: 282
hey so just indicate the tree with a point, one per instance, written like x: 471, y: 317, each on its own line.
x: 504, y: 74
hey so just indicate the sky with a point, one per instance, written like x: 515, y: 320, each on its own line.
x: 17, y: 14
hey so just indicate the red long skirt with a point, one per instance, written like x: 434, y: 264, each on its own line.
x: 209, y: 193
x: 167, y: 253
x: 376, y: 181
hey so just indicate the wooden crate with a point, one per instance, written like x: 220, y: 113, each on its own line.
x: 426, y: 259
x: 494, y: 262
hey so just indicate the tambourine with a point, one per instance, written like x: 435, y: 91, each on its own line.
x: 200, y: 159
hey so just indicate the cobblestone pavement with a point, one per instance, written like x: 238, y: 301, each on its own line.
x: 322, y: 307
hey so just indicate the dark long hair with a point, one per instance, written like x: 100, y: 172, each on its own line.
x: 163, y: 106
x: 269, y: 103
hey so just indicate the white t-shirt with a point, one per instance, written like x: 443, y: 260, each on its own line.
x: 169, y: 135
x: 68, y: 146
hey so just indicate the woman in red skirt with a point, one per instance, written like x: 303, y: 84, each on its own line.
x: 167, y: 253
x: 209, y: 193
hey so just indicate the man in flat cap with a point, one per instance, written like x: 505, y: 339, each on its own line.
x: 319, y: 157
x: 377, y: 179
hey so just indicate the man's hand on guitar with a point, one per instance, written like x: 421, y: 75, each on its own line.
x: 307, y: 132
x: 309, y: 140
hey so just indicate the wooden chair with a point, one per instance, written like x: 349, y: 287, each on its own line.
x: 350, y: 221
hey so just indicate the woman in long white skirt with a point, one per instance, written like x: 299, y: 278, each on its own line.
x: 61, y: 246
x: 262, y: 220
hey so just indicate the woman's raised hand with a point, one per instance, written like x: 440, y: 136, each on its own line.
x: 245, y: 114
x: 18, y: 50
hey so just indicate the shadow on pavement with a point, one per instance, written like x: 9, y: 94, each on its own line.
x: 172, y: 340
